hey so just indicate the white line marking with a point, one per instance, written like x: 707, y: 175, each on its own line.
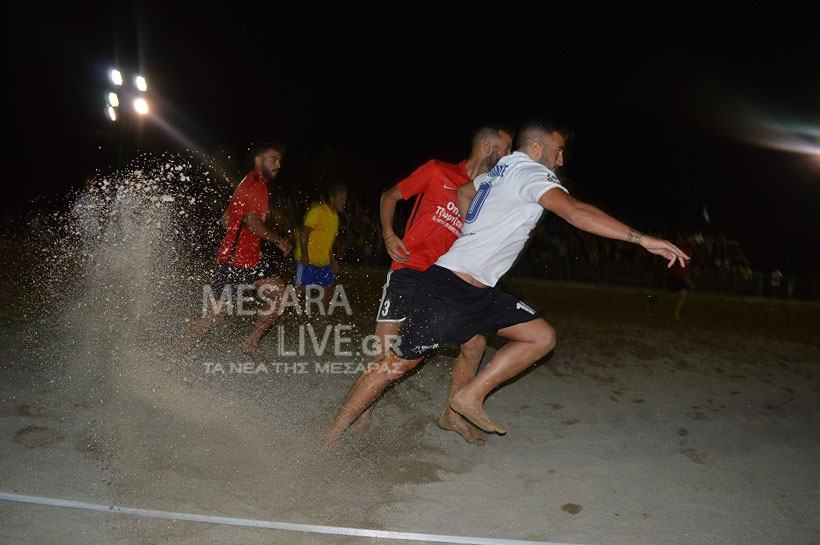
x: 288, y: 526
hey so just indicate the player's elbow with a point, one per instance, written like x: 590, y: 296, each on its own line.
x: 578, y: 215
x: 392, y: 195
x: 252, y: 224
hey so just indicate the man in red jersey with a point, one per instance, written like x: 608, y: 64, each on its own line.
x: 433, y: 226
x: 239, y: 255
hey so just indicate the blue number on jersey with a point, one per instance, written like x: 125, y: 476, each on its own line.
x: 478, y: 201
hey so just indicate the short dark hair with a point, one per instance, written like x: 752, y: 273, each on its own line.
x: 486, y: 130
x: 536, y: 125
x: 262, y: 147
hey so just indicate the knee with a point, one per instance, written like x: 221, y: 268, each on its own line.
x: 545, y: 339
x: 392, y: 368
x: 475, y: 346
x: 271, y: 290
x: 270, y: 286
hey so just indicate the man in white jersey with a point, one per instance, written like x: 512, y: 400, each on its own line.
x: 457, y: 297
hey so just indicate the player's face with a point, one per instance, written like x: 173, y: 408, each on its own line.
x: 269, y: 163
x: 501, y: 147
x: 339, y: 200
x: 504, y: 144
x: 552, y: 151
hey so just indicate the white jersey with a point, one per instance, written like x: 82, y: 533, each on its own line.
x: 500, y: 218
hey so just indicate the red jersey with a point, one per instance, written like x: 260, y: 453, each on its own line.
x: 434, y: 224
x: 240, y: 247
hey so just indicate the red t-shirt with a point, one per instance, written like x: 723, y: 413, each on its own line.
x: 251, y: 195
x: 434, y: 224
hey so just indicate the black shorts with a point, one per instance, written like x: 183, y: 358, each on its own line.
x: 227, y: 275
x: 397, y: 295
x: 448, y: 310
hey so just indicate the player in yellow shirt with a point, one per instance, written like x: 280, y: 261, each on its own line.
x: 317, y: 265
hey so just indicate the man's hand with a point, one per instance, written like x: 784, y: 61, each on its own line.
x: 396, y: 249
x: 284, y: 245
x: 664, y: 248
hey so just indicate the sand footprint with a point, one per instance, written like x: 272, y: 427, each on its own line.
x: 37, y: 436
x: 572, y: 508
x: 696, y: 456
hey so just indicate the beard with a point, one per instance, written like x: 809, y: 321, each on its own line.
x: 269, y: 174
x: 491, y: 160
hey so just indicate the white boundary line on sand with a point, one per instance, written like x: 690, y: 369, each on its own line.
x: 229, y: 521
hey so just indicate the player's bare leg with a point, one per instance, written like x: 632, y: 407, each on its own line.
x: 529, y: 341
x: 680, y: 299
x: 273, y: 289
x: 464, y: 370
x: 365, y: 391
x: 385, y: 333
x: 197, y: 329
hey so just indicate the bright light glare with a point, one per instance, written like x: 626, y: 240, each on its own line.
x: 113, y: 100
x: 141, y: 106
x: 112, y: 114
x: 116, y: 77
x: 141, y: 84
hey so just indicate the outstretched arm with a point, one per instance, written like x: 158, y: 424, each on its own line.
x: 593, y: 220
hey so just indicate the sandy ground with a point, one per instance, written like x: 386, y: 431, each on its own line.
x: 637, y: 430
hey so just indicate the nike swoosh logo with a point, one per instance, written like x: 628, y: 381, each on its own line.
x: 448, y: 187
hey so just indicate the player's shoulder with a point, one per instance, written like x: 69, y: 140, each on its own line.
x: 253, y: 182
x: 527, y: 167
x: 519, y: 160
x: 250, y: 177
x: 437, y: 165
x: 315, y: 207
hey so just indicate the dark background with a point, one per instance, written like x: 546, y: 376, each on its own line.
x: 664, y: 105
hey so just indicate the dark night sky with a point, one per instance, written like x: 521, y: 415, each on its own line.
x: 657, y: 101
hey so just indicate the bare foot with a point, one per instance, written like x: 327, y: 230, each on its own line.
x: 364, y: 420
x: 474, y: 412
x: 254, y: 353
x: 329, y: 442
x: 449, y: 420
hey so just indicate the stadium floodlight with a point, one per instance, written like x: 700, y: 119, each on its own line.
x: 141, y: 106
x: 141, y: 84
x: 113, y: 100
x: 112, y: 113
x: 116, y: 76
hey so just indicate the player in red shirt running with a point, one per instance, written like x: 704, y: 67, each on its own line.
x: 432, y: 227
x: 239, y: 256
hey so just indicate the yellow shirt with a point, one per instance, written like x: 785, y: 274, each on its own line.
x: 324, y: 223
